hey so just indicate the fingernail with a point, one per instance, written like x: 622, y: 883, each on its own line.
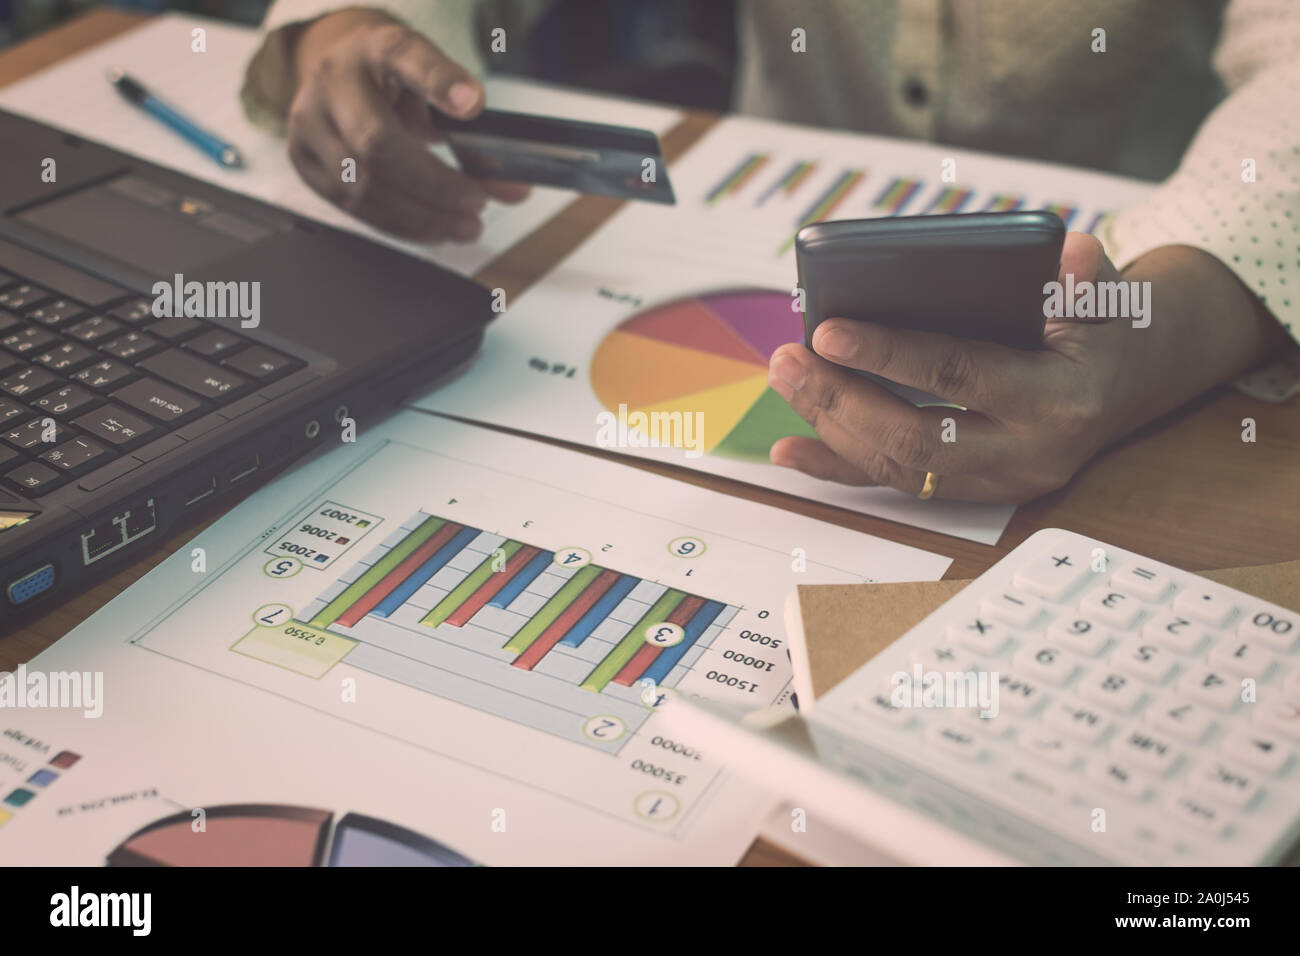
x: 788, y: 372
x: 462, y: 96
x: 837, y: 344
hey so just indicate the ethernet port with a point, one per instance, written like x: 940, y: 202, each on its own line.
x: 102, y: 539
x: 140, y: 520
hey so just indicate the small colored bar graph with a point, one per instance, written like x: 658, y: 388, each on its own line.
x: 1004, y: 203
x: 789, y: 181
x: 553, y: 612
x: 647, y: 653
x: 1099, y: 222
x: 825, y: 204
x: 667, y: 660
x: 735, y: 180
x: 948, y: 201
x: 623, y: 651
x: 1059, y: 209
x: 893, y: 199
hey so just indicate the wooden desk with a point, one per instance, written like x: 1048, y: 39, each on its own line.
x: 1186, y: 491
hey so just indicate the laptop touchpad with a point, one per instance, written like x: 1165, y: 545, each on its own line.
x: 147, y: 226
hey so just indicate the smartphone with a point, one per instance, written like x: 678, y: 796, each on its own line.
x: 976, y: 276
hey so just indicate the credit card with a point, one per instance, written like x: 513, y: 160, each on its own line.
x: 592, y: 158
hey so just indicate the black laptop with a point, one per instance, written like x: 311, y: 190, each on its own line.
x: 163, y: 342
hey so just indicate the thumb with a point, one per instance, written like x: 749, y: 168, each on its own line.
x: 396, y: 51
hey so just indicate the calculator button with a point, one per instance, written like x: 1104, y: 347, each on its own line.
x: 1049, y: 664
x: 1265, y: 752
x: 1225, y: 784
x: 1282, y: 716
x: 956, y: 741
x: 1278, y: 631
x: 880, y: 707
x: 1018, y: 610
x: 942, y: 656
x: 1181, y: 718
x: 1211, y: 687
x: 1146, y: 662
x: 1142, y: 581
x: 1077, y: 720
x: 1191, y: 809
x: 1111, y: 689
x: 992, y: 727
x: 1119, y: 777
x: 1174, y: 632
x: 1139, y: 746
x: 1053, y: 575
x: 1241, y: 658
x: 1202, y: 604
x: 1078, y: 634
x: 1055, y: 748
x: 980, y: 634
x: 1112, y: 607
x: 1016, y: 695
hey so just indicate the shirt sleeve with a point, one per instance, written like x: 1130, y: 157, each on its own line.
x: 1236, y: 193
x: 269, y: 82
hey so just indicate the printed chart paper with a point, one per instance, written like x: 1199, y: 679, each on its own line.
x: 679, y: 309
x: 441, y: 642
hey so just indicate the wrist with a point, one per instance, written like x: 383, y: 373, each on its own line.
x: 1206, y: 329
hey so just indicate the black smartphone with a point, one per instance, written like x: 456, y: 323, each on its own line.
x: 977, y: 276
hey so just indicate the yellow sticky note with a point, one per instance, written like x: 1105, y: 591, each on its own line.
x: 295, y: 646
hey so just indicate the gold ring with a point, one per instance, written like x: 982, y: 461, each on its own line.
x: 930, y: 487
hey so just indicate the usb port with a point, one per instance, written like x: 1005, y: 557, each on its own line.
x: 243, y: 469
x: 201, y: 492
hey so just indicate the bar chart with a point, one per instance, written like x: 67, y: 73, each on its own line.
x: 546, y: 638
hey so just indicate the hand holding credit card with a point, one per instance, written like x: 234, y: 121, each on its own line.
x: 587, y: 157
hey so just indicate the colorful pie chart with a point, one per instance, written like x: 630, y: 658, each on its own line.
x: 705, y: 354
x: 277, y: 835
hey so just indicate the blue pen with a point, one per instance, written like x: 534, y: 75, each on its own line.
x: 214, y: 146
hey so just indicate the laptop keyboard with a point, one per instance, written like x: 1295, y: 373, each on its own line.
x: 81, y: 388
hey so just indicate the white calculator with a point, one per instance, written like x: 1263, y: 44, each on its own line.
x: 1076, y: 704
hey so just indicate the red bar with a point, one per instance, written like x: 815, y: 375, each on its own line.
x: 568, y: 617
x: 389, y: 582
x: 488, y: 590
x: 647, y: 653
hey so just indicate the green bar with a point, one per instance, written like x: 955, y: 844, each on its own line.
x: 552, y: 609
x: 352, y: 593
x: 626, y: 649
x: 473, y: 581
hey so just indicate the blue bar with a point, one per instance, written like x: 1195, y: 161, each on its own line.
x: 600, y: 610
x: 425, y: 571
x: 515, y: 586
x: 669, y: 657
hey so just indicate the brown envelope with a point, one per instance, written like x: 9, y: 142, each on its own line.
x: 845, y: 625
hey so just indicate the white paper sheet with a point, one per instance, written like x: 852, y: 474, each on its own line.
x: 74, y: 95
x: 213, y: 695
x: 548, y: 359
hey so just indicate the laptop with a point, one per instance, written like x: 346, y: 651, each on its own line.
x: 163, y: 342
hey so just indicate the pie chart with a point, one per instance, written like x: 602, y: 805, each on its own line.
x: 263, y: 834
x: 705, y: 354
